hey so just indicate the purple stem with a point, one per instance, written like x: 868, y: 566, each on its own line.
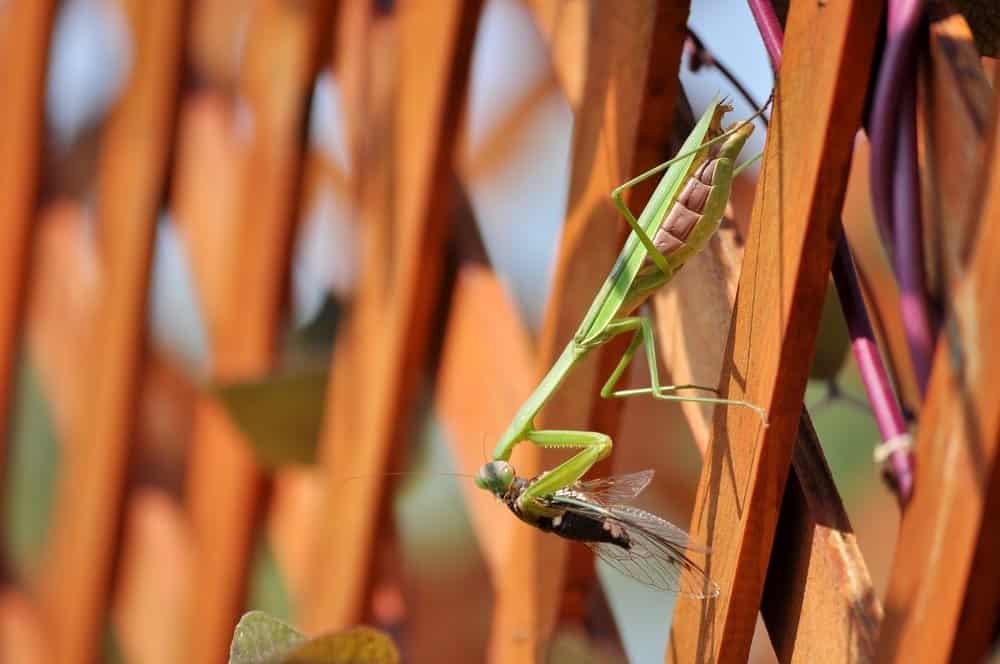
x: 895, y: 178
x: 900, y: 52
x: 908, y: 254
x: 770, y: 29
x: 885, y: 406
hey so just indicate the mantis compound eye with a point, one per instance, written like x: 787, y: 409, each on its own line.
x: 495, y: 476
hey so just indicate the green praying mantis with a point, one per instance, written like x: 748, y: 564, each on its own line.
x: 680, y: 218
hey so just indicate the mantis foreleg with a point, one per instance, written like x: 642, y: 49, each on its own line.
x: 595, y: 446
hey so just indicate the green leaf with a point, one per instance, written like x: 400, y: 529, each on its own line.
x: 358, y: 645
x: 281, y: 415
x: 262, y: 639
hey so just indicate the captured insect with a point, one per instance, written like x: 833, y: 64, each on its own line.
x: 637, y: 543
x: 680, y: 218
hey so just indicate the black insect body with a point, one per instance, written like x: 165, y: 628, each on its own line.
x: 575, y: 524
x: 635, y: 542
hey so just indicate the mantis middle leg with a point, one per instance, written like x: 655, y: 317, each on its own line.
x: 643, y: 334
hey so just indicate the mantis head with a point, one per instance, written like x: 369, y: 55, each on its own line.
x: 496, y: 477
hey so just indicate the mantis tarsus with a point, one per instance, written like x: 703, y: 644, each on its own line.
x: 683, y: 213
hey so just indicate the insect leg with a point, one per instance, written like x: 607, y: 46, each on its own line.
x: 746, y: 164
x: 643, y: 330
x: 635, y: 324
x: 647, y: 242
x: 655, y: 254
x: 594, y: 447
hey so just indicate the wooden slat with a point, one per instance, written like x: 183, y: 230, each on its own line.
x: 818, y: 583
x: 61, y: 307
x: 152, y: 570
x: 216, y: 31
x: 24, y: 34
x: 296, y: 510
x: 692, y: 314
x: 954, y: 112
x: 944, y: 591
x: 148, y: 614
x: 487, y: 352
x: 211, y: 153
x: 205, y: 203
x: 132, y: 168
x: 785, y: 272
x: 401, y: 272
x: 365, y: 58
x: 206, y: 195
x: 22, y: 630
x: 350, y: 66
x: 279, y: 67
x: 564, y: 26
x: 818, y: 604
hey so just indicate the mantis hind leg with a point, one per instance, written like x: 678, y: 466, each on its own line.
x: 654, y: 254
x: 747, y: 164
x: 595, y: 446
x: 643, y: 335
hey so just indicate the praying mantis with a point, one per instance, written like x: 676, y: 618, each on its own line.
x: 680, y: 218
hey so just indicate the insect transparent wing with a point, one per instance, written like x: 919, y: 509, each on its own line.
x: 657, y: 556
x: 656, y: 525
x: 610, y: 490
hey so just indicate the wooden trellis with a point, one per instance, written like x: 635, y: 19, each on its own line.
x: 766, y: 503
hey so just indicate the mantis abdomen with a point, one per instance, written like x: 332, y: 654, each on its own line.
x: 691, y: 222
x: 692, y: 219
